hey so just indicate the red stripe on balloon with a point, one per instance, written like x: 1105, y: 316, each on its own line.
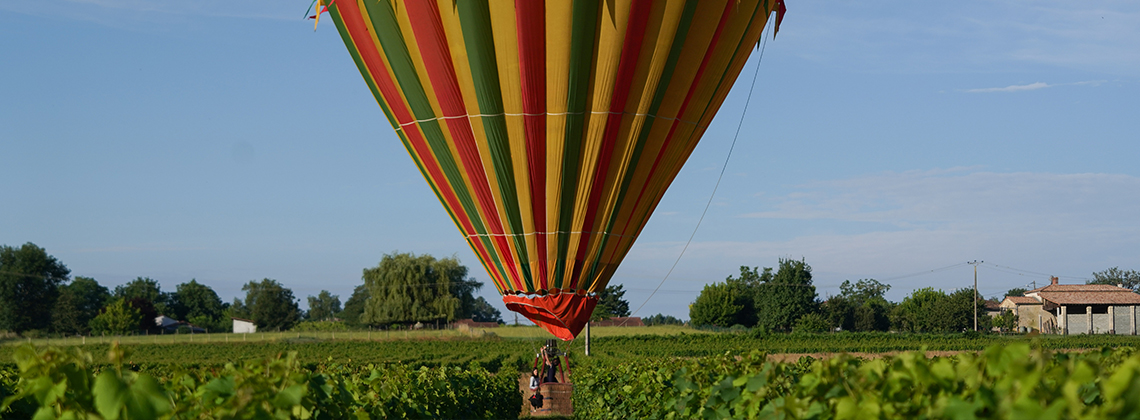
x: 432, y: 41
x: 631, y: 51
x: 684, y: 105
x: 358, y: 31
x: 530, y: 24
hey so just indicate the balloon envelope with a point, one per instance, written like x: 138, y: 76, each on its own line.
x: 550, y: 130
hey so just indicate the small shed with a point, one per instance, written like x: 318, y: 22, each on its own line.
x: 244, y: 326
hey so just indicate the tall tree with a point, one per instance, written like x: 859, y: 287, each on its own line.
x: 870, y: 310
x: 405, y: 288
x: 237, y: 309
x: 354, y: 306
x: 148, y: 314
x: 786, y: 297
x: 271, y: 305
x: 323, y: 307
x: 916, y: 312
x: 484, y: 312
x: 148, y: 289
x: 464, y: 289
x: 1130, y: 279
x: 839, y: 312
x: 79, y: 302
x: 721, y: 305
x: 198, y: 304
x: 930, y: 310
x: 29, y: 287
x: 118, y: 317
x: 611, y: 303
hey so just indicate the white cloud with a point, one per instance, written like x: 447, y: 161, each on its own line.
x: 1012, y: 88
x: 1033, y: 86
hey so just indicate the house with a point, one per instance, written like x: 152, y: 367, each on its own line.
x: 1076, y: 309
x: 244, y: 326
x: 620, y: 321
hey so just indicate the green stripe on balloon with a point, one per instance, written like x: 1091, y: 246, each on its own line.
x: 475, y: 22
x: 582, y: 43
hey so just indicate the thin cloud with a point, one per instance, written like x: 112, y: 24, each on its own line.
x: 1034, y: 86
x: 1012, y: 88
x: 891, y: 224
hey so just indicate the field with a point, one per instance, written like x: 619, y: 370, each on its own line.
x: 508, y: 332
x: 664, y: 370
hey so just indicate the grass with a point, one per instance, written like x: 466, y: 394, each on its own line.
x: 532, y: 332
x: 508, y: 332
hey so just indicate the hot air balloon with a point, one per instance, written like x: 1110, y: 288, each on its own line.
x: 549, y: 130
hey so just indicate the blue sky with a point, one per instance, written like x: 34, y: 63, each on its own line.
x: 226, y: 141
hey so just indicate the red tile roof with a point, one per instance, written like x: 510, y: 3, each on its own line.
x: 1092, y: 297
x: 1022, y: 300
x: 1079, y: 288
x: 1083, y: 294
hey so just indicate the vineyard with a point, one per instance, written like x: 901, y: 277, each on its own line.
x: 1014, y: 381
x: 680, y: 376
x: 65, y: 384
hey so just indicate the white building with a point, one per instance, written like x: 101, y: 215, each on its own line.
x: 244, y: 326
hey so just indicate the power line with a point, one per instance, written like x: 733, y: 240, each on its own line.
x: 923, y: 272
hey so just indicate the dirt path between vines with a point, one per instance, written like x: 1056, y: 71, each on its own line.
x: 792, y: 357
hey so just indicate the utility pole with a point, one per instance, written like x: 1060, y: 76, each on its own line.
x: 975, y: 264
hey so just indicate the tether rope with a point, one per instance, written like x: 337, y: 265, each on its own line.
x: 743, y: 113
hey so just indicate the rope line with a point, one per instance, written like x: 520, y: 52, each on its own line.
x: 739, y: 125
x: 552, y: 114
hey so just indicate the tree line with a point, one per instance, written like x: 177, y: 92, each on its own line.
x: 38, y: 296
x: 785, y: 300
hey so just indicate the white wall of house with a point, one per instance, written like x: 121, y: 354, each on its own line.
x: 243, y: 326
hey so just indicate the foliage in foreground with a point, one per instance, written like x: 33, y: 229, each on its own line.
x: 1011, y: 381
x: 54, y: 383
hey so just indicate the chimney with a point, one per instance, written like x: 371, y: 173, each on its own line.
x: 1053, y: 280
x: 1120, y: 285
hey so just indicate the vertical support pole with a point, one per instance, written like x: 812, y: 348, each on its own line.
x: 1063, y: 320
x: 975, y: 264
x: 587, y: 338
x: 1088, y: 318
x: 1133, y: 312
x: 1111, y: 319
